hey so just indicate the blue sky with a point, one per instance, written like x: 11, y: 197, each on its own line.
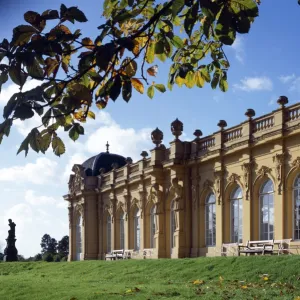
x: 264, y: 65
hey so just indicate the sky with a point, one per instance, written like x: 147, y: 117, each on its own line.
x: 264, y: 66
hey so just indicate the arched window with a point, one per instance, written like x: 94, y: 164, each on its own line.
x: 152, y: 226
x: 210, y: 220
x: 122, y: 231
x: 266, y: 197
x: 108, y: 233
x: 137, y: 229
x: 78, y: 238
x: 297, y: 208
x: 236, y: 202
x: 173, y: 224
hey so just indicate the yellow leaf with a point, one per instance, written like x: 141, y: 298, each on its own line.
x: 190, y: 80
x: 198, y: 281
x: 179, y: 81
x: 138, y: 85
x: 150, y: 55
x: 88, y: 43
x: 152, y: 71
x: 244, y: 287
x: 221, y: 278
x: 265, y: 278
x: 136, y: 47
x: 199, y: 79
x: 91, y: 115
x: 101, y: 104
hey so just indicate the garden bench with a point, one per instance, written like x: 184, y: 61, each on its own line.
x: 283, y: 246
x: 115, y: 254
x: 257, y: 247
x: 147, y: 253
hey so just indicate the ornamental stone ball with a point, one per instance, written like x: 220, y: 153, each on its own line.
x: 177, y: 128
x: 283, y: 100
x: 250, y: 113
x: 222, y: 124
x: 144, y: 154
x: 157, y: 137
x: 197, y: 133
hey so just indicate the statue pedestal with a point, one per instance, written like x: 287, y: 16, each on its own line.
x: 10, y: 252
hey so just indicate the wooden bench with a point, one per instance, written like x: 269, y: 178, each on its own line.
x: 257, y: 247
x: 115, y: 254
x: 283, y: 246
x: 148, y: 253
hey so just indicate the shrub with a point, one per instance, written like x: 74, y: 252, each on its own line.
x: 38, y: 257
x: 65, y: 258
x: 56, y: 258
x: 48, y: 257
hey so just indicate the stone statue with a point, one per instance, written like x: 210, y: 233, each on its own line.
x: 11, y: 252
x: 12, y: 231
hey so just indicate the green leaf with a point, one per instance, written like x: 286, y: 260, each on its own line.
x: 150, y: 91
x: 35, y: 20
x: 58, y: 146
x: 160, y: 87
x: 25, y: 145
x: 77, y: 14
x: 10, y: 106
x: 159, y: 47
x: 3, y: 79
x: 22, y: 34
x: 223, y: 84
x: 73, y: 133
x: 50, y: 14
x: 177, y: 41
x: 215, y: 81
x: 150, y: 53
x: 205, y: 74
x: 177, y: 7
x: 130, y: 67
x: 34, y: 140
x: 16, y: 75
x: 5, y: 127
x: 23, y: 112
x: 115, y: 90
x: 127, y: 90
x: 199, y: 79
x: 80, y: 92
x: 46, y: 118
x: 45, y: 141
x: 190, y: 19
x: 190, y: 79
x: 248, y: 7
x: 34, y: 69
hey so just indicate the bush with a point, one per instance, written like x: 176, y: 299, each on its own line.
x: 64, y: 258
x: 48, y: 257
x: 56, y: 258
x: 38, y: 257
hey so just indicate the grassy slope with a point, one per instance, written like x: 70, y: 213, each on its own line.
x: 154, y: 279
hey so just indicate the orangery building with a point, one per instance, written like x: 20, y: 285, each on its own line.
x: 185, y: 200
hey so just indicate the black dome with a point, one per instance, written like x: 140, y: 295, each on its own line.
x: 102, y: 160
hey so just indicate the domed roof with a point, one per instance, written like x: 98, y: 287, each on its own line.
x: 102, y: 160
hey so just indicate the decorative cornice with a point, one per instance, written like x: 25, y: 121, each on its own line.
x: 263, y: 171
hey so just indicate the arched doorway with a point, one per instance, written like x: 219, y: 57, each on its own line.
x: 78, y: 238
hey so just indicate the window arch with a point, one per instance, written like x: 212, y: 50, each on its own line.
x: 210, y: 220
x: 173, y: 223
x: 296, y: 192
x: 152, y: 226
x: 78, y: 238
x: 236, y: 212
x: 108, y: 233
x: 137, y: 229
x: 266, y: 197
x: 122, y: 230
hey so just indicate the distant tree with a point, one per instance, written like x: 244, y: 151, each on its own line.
x: 79, y: 74
x: 57, y: 258
x: 21, y: 257
x: 48, y: 244
x: 48, y: 257
x: 63, y: 246
x: 38, y: 257
x: 1, y: 256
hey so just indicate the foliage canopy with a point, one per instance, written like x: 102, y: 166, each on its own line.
x: 79, y: 74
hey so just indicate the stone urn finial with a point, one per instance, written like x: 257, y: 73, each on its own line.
x: 222, y: 124
x: 144, y: 154
x: 129, y: 160
x: 157, y: 137
x: 176, y: 128
x: 283, y: 100
x: 250, y: 113
x: 198, y: 134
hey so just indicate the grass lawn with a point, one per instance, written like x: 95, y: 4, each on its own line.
x: 268, y: 277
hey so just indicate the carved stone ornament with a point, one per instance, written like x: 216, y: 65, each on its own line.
x: 218, y: 184
x: 155, y: 194
x: 207, y: 184
x: 110, y: 209
x: 70, y: 214
x: 79, y: 209
x: 296, y: 163
x: 279, y: 162
x: 195, y: 189
x: 246, y: 167
x: 76, y: 182
x: 234, y: 178
x: 263, y: 171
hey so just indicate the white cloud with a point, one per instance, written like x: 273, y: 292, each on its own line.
x: 287, y: 78
x: 12, y: 88
x: 249, y: 84
x: 239, y: 48
x: 33, y: 199
x: 24, y: 127
x: 42, y: 171
x: 295, y: 86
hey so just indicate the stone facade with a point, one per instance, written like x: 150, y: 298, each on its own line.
x: 238, y: 184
